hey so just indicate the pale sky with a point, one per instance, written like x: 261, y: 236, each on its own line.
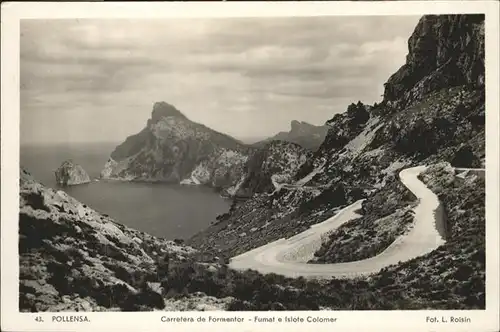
x: 97, y: 80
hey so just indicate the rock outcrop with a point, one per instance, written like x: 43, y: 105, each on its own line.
x: 70, y: 173
x: 171, y: 148
x: 277, y: 162
x: 444, y: 51
x: 302, y: 133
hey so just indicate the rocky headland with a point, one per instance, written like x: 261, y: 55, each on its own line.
x: 173, y: 149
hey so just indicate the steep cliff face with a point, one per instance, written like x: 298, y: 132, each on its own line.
x: 302, y: 133
x: 433, y: 111
x: 415, y: 122
x: 70, y: 173
x: 444, y: 51
x: 172, y: 148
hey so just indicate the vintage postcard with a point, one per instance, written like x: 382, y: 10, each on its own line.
x: 250, y: 166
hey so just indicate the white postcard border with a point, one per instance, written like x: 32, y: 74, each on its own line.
x: 12, y: 320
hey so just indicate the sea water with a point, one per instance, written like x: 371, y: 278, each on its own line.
x: 166, y: 210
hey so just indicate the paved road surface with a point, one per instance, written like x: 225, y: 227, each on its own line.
x: 289, y: 256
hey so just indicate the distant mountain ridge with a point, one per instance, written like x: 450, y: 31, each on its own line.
x: 302, y: 133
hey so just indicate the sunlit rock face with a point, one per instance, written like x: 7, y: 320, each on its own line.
x: 70, y: 173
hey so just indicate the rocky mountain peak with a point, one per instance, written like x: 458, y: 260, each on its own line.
x: 163, y: 109
x: 295, y: 125
x: 444, y: 51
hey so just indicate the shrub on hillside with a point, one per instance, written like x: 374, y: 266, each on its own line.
x: 465, y: 157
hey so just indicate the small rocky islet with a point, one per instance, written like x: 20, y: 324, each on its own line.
x: 70, y: 174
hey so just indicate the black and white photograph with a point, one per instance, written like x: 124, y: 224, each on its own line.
x: 300, y: 163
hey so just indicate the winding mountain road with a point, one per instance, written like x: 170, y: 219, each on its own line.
x: 289, y: 257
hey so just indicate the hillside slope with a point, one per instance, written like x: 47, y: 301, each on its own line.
x: 70, y: 173
x: 432, y: 111
x: 73, y: 258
